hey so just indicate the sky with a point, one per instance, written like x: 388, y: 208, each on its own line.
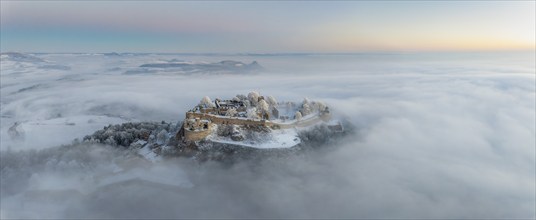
x: 266, y: 26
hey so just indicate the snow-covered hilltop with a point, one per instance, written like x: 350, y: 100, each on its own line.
x: 240, y: 128
x: 20, y: 57
x: 175, y: 66
x: 253, y: 121
x: 24, y: 62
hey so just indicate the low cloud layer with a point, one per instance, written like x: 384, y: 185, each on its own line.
x: 437, y: 136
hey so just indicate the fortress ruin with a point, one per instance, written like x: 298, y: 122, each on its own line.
x: 253, y: 110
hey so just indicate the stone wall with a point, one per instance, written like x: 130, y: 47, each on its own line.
x: 198, y: 135
x: 228, y: 120
x: 251, y: 122
x: 195, y: 135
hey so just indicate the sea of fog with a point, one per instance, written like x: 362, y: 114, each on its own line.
x: 438, y: 135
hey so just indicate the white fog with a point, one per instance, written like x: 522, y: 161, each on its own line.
x: 435, y: 135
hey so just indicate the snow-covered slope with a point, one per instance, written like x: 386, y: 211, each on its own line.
x: 278, y: 138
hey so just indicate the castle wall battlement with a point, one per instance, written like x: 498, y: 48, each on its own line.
x: 200, y: 134
x: 195, y: 135
x: 228, y: 120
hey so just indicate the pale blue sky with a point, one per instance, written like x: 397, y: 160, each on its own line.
x: 270, y: 26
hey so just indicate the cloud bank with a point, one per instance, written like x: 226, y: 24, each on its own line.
x: 437, y: 136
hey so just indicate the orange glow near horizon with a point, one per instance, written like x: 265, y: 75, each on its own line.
x: 268, y: 26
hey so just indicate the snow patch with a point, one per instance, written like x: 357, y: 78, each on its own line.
x: 280, y: 138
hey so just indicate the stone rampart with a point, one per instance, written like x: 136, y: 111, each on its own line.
x: 241, y: 121
x: 228, y: 120
x: 195, y: 135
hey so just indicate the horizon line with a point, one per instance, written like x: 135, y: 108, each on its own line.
x: 283, y: 53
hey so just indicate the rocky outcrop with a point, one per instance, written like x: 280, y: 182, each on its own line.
x: 160, y: 138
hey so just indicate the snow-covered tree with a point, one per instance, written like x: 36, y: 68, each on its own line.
x: 236, y: 99
x: 320, y: 106
x: 206, y: 102
x: 252, y: 113
x: 231, y: 112
x: 241, y: 97
x: 247, y: 103
x: 253, y: 98
x: 306, y: 109
x: 298, y: 116
x: 306, y: 101
x: 263, y: 106
x: 271, y: 101
x: 161, y: 137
